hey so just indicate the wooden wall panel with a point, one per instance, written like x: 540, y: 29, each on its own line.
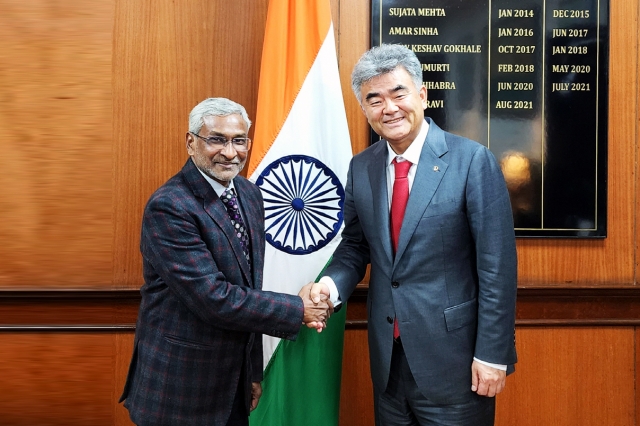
x: 356, y: 393
x: 56, y: 379
x: 168, y: 56
x: 55, y: 143
x: 571, y: 376
x: 64, y: 379
x: 637, y: 377
x: 636, y: 178
x: 124, y: 349
x: 355, y: 28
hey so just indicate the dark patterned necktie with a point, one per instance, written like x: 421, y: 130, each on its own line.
x: 230, y: 201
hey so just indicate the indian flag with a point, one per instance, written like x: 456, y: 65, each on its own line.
x: 300, y: 158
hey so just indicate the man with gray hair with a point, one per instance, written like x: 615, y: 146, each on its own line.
x: 430, y: 212
x: 197, y: 356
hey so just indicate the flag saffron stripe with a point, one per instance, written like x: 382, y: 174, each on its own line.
x: 290, y: 49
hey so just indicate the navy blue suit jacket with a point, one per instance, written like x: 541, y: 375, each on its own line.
x: 202, y: 312
x: 452, y: 283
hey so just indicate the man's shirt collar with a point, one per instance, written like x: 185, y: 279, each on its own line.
x: 414, y: 150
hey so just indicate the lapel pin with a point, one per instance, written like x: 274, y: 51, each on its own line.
x: 436, y: 168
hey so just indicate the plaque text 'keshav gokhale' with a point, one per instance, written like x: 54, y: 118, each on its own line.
x: 528, y: 79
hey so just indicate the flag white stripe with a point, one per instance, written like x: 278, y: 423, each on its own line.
x: 317, y: 127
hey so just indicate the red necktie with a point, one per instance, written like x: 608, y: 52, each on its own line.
x: 398, y: 206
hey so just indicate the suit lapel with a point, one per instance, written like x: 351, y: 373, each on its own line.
x: 431, y: 170
x: 217, y: 211
x: 251, y: 215
x: 380, y: 194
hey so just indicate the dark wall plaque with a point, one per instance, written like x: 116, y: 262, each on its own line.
x: 528, y: 79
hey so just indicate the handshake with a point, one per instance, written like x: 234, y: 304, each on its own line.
x: 317, y: 305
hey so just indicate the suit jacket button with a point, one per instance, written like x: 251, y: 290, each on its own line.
x: 395, y: 284
x: 390, y: 320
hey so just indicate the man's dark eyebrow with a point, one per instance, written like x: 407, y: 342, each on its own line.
x: 372, y: 95
x: 398, y: 88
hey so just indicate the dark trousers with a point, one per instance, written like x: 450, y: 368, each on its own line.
x: 239, y: 414
x: 402, y: 404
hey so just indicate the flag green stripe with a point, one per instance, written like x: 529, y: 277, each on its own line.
x: 302, y: 380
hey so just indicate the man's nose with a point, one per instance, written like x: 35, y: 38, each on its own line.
x: 228, y: 150
x: 390, y: 106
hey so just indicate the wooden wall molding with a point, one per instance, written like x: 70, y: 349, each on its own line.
x: 66, y: 328
x: 68, y: 310
x: 586, y: 306
x: 551, y: 306
x: 117, y: 310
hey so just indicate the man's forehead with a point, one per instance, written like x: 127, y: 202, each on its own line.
x: 222, y: 118
x: 387, y: 82
x: 234, y: 121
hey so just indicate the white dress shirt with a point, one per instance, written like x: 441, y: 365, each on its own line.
x: 217, y: 186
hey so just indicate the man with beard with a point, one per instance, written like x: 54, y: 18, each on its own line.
x: 197, y: 356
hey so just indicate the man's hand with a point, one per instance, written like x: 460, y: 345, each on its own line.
x: 318, y: 311
x: 256, y: 393
x: 487, y: 381
x: 317, y: 291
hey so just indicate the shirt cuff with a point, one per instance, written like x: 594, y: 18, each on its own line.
x: 496, y: 366
x: 333, y: 290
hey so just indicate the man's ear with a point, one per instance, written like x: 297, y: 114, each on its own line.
x: 189, y: 141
